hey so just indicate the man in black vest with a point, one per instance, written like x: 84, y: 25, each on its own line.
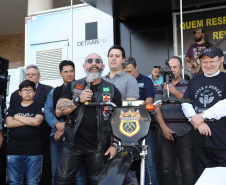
x: 67, y: 72
x: 87, y: 130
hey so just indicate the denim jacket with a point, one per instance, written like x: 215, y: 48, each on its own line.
x: 50, y: 115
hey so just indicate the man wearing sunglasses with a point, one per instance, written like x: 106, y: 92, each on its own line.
x: 156, y: 77
x: 87, y: 129
x: 207, y: 112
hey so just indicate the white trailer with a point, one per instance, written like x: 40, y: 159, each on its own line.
x: 66, y: 34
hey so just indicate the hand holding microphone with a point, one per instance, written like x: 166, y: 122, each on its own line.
x: 86, y: 96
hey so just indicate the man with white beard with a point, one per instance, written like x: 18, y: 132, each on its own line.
x: 87, y: 129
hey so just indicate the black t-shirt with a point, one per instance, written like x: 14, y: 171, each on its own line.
x: 86, y: 136
x: 206, y: 92
x: 24, y: 140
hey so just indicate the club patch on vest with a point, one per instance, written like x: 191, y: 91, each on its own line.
x: 106, y: 97
x: 129, y: 125
x: 106, y: 89
x: 79, y: 86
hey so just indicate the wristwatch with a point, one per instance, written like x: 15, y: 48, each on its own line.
x: 115, y: 144
x: 76, y: 101
x: 204, y: 116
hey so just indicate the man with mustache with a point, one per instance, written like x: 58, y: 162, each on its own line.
x: 156, y: 77
x: 195, y: 49
x: 87, y: 130
x: 175, y: 133
x: 67, y: 72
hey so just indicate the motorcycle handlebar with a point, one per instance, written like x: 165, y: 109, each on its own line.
x: 173, y: 101
x: 93, y: 104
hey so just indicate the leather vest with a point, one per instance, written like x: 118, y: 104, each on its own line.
x: 105, y: 91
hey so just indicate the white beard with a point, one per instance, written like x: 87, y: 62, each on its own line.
x: 92, y: 76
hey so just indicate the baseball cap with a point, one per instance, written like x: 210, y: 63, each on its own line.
x: 221, y: 52
x: 212, y: 52
x: 199, y: 30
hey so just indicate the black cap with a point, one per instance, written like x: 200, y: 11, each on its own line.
x: 212, y: 52
x: 221, y: 52
x: 199, y: 30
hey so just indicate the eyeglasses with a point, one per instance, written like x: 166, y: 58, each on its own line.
x: 90, y: 60
x: 27, y: 90
x: 210, y: 62
x: 157, y: 67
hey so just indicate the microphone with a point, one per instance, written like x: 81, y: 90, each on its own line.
x: 89, y: 81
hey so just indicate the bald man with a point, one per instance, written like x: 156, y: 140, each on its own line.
x: 87, y: 136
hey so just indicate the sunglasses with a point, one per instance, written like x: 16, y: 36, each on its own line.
x: 157, y: 67
x: 90, y: 60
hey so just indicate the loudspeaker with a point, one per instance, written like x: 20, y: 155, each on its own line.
x: 4, y: 64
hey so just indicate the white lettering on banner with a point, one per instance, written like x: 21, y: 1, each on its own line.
x: 91, y: 42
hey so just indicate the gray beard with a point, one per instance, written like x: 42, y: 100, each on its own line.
x: 93, y: 76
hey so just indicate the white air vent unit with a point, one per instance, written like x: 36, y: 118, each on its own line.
x: 48, y: 62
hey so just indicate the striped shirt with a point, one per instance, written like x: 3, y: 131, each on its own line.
x: 172, y: 113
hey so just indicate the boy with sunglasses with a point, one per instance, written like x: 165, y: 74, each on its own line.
x: 24, y: 149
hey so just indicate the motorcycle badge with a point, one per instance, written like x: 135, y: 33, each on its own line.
x: 129, y: 125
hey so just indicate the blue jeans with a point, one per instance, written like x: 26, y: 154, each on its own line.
x: 20, y: 166
x: 150, y: 160
x: 55, y: 150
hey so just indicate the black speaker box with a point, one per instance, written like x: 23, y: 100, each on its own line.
x: 4, y: 64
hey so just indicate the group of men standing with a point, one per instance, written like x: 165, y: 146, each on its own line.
x: 81, y: 136
x: 200, y: 143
